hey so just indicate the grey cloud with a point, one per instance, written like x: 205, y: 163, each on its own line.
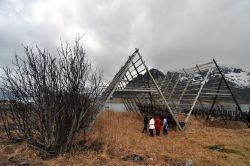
x: 170, y: 34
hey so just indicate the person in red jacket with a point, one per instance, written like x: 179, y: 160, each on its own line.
x: 157, y: 125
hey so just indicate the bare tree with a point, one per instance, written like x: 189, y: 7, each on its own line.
x: 53, y: 96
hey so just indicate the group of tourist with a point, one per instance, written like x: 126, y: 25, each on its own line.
x: 155, y: 124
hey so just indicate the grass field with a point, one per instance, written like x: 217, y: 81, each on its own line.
x: 118, y: 134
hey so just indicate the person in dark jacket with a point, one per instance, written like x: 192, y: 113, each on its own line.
x: 145, y: 123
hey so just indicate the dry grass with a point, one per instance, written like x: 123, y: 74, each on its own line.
x: 119, y: 134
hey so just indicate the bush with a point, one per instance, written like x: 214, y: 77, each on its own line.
x: 55, y: 95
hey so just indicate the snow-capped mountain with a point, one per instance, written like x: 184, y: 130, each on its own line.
x: 238, y: 80
x: 238, y: 77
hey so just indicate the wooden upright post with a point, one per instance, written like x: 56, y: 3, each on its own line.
x: 231, y: 93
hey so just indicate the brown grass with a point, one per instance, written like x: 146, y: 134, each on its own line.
x: 118, y: 134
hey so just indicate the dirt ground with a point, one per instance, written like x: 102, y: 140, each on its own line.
x: 116, y: 135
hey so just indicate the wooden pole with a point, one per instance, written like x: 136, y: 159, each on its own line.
x: 231, y: 93
x: 198, y: 94
x: 160, y: 92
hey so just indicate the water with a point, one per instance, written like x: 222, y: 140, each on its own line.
x: 245, y: 107
x: 116, y: 107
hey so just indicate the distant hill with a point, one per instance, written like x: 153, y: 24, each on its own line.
x: 238, y: 79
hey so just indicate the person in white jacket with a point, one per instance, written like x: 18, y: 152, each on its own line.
x: 151, y: 126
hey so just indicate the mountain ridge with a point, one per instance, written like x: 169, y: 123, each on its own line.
x: 238, y: 79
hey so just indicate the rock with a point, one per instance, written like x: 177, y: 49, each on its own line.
x: 133, y: 157
x: 216, y: 147
x: 179, y: 163
x: 183, y: 163
x: 2, y: 163
x: 188, y: 163
x: 24, y: 163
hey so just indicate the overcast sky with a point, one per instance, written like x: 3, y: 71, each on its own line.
x: 170, y: 34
